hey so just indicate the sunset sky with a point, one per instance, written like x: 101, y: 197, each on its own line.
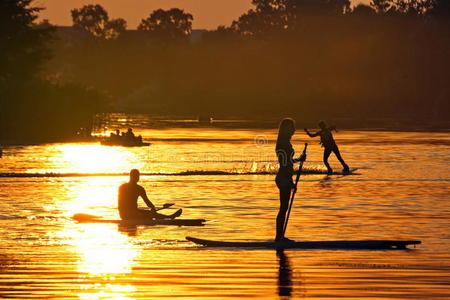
x: 208, y: 14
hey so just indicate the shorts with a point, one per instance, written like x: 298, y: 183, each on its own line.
x: 136, y: 215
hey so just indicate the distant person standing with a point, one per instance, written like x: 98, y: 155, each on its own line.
x: 329, y: 145
x: 285, y: 154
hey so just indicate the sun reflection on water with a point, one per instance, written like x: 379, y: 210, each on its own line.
x: 103, y: 250
x: 104, y: 253
x: 89, y: 158
x: 94, y: 195
x: 104, y: 256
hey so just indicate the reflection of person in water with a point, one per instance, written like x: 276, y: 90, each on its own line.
x: 329, y: 145
x: 129, y: 230
x: 284, y: 274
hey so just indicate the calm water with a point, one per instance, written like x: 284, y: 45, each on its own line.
x: 400, y: 191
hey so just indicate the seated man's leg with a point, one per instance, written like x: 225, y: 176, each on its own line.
x: 146, y: 214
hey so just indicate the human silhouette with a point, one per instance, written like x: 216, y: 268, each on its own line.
x: 329, y: 145
x: 128, y: 195
x: 284, y: 274
x: 130, y: 134
x: 285, y: 154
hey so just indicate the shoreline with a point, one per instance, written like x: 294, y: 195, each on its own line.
x: 96, y: 139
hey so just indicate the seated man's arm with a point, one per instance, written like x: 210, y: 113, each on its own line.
x: 147, y: 201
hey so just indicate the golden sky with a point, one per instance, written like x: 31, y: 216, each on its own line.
x: 208, y: 14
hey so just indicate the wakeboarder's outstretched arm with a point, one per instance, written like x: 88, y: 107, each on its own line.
x: 311, y: 134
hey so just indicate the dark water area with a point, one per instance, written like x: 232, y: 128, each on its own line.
x: 399, y: 191
x: 109, y: 121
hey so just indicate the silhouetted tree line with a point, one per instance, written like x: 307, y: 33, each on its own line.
x: 307, y: 58
x: 310, y: 58
x: 33, y: 109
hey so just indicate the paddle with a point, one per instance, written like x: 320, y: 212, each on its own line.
x: 167, y: 205
x: 295, y: 189
x: 90, y: 217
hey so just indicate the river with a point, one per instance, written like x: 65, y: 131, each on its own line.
x: 400, y: 190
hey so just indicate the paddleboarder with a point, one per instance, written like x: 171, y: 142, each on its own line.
x: 329, y: 145
x: 285, y: 153
x: 128, y: 196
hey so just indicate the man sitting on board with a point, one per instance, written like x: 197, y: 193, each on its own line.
x: 128, y: 195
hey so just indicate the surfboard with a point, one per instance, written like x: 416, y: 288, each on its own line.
x: 350, y: 172
x: 85, y: 218
x: 363, y: 244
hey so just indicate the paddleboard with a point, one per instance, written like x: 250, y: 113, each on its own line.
x: 84, y: 218
x: 364, y: 244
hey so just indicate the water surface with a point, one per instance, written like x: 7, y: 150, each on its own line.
x: 400, y: 191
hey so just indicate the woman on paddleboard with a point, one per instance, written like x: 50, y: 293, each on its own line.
x: 285, y: 154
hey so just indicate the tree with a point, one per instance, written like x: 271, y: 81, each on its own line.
x: 381, y: 6
x: 404, y: 7
x: 413, y: 7
x: 441, y: 8
x: 363, y: 10
x: 278, y: 15
x: 23, y: 49
x: 255, y: 23
x: 115, y: 28
x: 318, y: 7
x: 23, y: 45
x: 173, y: 24
x: 95, y: 20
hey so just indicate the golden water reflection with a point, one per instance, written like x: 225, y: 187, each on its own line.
x: 94, y: 195
x: 91, y: 158
x: 104, y: 254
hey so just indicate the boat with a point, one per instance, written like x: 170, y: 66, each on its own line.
x: 125, y: 143
x: 85, y: 218
x: 124, y: 139
x: 362, y: 244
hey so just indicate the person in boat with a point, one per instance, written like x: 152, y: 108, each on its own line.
x: 285, y: 184
x: 130, y: 134
x: 116, y: 137
x: 329, y: 145
x: 130, y: 137
x: 127, y: 201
